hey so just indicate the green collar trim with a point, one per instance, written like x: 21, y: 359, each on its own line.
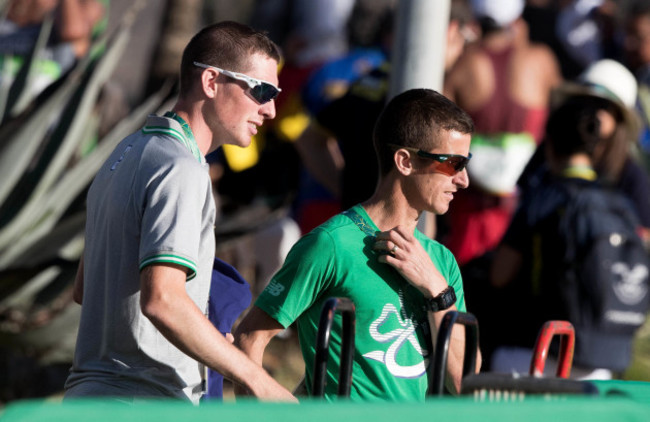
x: 185, y: 136
x: 190, y: 142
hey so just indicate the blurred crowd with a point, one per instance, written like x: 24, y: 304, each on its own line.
x: 502, y: 65
x: 508, y: 63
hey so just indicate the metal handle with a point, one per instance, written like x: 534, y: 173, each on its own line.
x: 346, y: 307
x: 437, y: 376
x: 567, y: 345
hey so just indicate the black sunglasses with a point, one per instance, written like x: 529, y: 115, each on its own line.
x: 448, y: 164
x: 260, y: 90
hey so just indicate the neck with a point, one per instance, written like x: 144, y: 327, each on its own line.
x: 579, y: 160
x: 498, y: 40
x: 388, y: 206
x: 515, y: 34
x: 575, y: 160
x: 193, y: 116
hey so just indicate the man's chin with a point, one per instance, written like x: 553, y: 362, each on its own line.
x: 243, y: 142
x: 440, y: 210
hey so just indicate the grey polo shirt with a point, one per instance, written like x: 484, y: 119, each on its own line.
x: 151, y: 202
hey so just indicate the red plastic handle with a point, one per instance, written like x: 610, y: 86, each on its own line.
x: 567, y: 345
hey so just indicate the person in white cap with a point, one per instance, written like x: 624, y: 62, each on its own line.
x: 503, y: 82
x: 571, y: 253
x: 612, y: 82
x: 610, y: 89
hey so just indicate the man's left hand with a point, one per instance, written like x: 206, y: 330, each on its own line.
x: 403, y: 252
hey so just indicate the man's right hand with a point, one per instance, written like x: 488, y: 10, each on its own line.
x: 271, y: 390
x: 165, y: 303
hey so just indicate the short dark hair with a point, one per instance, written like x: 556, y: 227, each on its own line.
x: 228, y: 45
x: 414, y: 119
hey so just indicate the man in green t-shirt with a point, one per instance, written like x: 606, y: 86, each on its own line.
x: 400, y: 281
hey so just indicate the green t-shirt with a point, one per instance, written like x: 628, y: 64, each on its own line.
x: 392, y: 334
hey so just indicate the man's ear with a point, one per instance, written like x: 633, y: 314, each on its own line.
x: 403, y: 161
x: 209, y: 84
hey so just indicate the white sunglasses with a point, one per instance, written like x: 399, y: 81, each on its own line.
x: 260, y: 90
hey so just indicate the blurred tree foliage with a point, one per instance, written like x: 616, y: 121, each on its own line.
x: 50, y: 149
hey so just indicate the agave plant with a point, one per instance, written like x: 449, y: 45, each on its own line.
x: 43, y: 180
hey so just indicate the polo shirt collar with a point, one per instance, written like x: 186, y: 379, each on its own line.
x: 173, y: 125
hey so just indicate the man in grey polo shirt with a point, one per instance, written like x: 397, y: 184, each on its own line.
x: 145, y: 274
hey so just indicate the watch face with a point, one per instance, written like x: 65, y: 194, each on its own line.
x: 443, y: 301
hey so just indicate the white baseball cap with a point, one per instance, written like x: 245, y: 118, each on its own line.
x: 607, y: 79
x: 613, y: 77
x: 503, y: 12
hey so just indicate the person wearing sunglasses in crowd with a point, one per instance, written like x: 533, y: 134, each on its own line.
x: 401, y: 282
x: 144, y: 278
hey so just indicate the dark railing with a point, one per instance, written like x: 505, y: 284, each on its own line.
x: 437, y: 376
x: 330, y: 307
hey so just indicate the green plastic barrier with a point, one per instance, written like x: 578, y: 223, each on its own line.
x: 617, y: 401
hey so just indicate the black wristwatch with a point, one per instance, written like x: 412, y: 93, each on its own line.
x: 443, y: 301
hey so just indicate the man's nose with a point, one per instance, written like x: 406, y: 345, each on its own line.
x: 461, y: 179
x: 268, y: 110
